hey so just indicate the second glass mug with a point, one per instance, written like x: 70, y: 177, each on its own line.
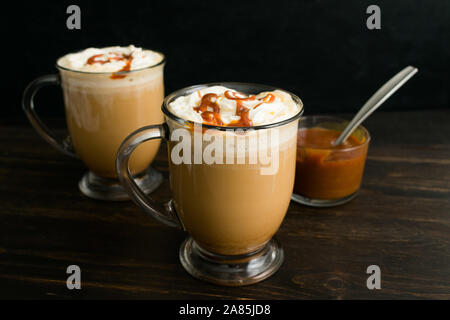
x: 101, y: 109
x: 231, y: 211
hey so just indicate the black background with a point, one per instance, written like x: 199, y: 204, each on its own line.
x: 319, y: 49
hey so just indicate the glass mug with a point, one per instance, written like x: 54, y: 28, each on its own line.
x: 101, y: 109
x: 230, y: 210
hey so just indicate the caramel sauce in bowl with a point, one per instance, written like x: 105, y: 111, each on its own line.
x: 328, y: 175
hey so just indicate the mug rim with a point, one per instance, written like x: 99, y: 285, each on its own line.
x: 162, y: 62
x: 175, y: 94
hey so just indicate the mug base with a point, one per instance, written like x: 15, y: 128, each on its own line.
x: 109, y: 189
x: 231, y: 270
x: 321, y: 203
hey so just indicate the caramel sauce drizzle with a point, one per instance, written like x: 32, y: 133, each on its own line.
x: 128, y: 58
x: 93, y: 59
x: 241, y: 111
x: 209, y: 103
x: 238, y: 96
x: 269, y: 98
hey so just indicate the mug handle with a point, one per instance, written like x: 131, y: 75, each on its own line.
x: 64, y: 146
x: 165, y: 212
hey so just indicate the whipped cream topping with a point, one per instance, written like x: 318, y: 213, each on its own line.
x: 222, y: 106
x: 110, y: 59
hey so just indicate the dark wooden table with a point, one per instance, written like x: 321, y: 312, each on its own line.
x: 400, y: 221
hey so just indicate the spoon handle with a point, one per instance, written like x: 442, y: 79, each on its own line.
x: 377, y: 100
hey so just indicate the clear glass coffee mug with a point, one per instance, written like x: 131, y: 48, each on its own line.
x: 232, y: 209
x: 101, y: 110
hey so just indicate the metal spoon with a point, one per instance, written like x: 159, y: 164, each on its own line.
x: 376, y: 100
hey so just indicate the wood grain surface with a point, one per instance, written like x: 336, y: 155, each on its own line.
x: 400, y: 221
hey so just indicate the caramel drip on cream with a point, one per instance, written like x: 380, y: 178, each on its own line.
x: 102, y: 59
x: 210, y: 110
x: 241, y: 111
x: 269, y: 98
x: 207, y: 104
